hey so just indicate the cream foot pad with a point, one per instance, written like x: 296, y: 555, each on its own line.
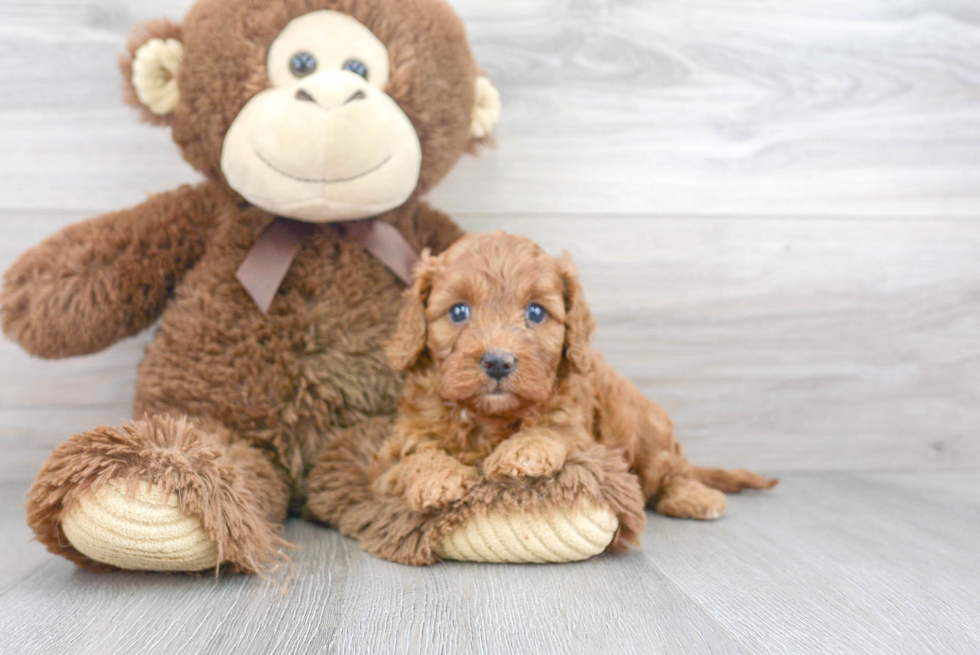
x: 145, y: 533
x: 524, y: 538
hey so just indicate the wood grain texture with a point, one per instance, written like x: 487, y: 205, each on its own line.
x: 826, y: 562
x: 791, y: 344
x: 774, y: 209
x: 775, y: 343
x: 612, y: 106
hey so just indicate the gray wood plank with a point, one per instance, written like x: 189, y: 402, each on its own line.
x: 343, y: 600
x: 762, y: 199
x: 959, y: 484
x: 775, y: 343
x: 615, y: 604
x: 626, y: 106
x: 835, y: 563
x: 786, y: 344
x: 824, y: 563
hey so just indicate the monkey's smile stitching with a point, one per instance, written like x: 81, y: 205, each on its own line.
x: 303, y: 179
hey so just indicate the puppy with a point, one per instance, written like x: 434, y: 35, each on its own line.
x: 502, y: 382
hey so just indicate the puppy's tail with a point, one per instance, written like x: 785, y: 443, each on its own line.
x: 732, y: 480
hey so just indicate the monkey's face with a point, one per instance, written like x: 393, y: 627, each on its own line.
x: 320, y: 110
x: 324, y: 142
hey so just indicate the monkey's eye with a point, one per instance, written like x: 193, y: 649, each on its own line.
x: 302, y: 64
x: 535, y: 313
x: 459, y: 313
x: 356, y: 66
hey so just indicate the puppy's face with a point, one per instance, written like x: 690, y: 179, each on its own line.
x: 496, y: 325
x: 498, y: 319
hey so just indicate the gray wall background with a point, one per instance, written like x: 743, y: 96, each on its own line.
x: 774, y: 208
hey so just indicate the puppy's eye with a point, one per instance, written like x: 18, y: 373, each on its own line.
x: 459, y: 313
x: 535, y: 313
x: 357, y: 67
x: 302, y: 64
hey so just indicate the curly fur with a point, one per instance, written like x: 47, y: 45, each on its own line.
x: 458, y: 423
x: 212, y: 474
x: 566, y: 428
x: 237, y: 404
x: 341, y: 494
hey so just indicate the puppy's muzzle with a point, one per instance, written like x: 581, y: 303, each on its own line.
x: 498, y: 364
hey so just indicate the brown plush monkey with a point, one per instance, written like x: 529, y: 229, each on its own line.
x: 276, y: 299
x: 319, y: 125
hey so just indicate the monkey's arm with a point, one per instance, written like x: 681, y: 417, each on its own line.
x: 106, y: 278
x: 435, y: 229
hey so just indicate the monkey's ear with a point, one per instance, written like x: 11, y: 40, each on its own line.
x: 408, y: 342
x: 150, y: 67
x: 579, y: 324
x: 486, y: 111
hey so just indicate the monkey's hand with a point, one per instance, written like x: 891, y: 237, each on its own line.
x: 107, y: 278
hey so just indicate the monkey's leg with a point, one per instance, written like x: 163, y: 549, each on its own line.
x: 160, y: 494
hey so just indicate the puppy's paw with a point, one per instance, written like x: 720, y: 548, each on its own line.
x: 689, y: 499
x: 439, y: 490
x: 530, y: 456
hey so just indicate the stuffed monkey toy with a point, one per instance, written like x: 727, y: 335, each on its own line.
x: 319, y: 126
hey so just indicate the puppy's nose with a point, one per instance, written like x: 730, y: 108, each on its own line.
x: 497, y: 363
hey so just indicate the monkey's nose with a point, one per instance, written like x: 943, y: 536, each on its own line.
x: 357, y: 95
x: 497, y: 363
x: 305, y: 96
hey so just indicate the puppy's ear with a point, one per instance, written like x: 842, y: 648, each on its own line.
x: 579, y: 324
x: 408, y: 342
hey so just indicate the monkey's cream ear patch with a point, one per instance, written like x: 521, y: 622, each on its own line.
x: 155, y: 68
x: 486, y: 113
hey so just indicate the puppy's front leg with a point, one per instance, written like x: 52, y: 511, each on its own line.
x: 528, y: 454
x: 428, y: 480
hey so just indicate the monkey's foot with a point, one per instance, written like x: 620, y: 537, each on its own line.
x: 557, y: 536
x: 145, y: 532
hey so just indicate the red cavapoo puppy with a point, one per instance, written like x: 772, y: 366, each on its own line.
x: 502, y: 382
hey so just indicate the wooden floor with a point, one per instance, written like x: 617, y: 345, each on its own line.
x: 775, y: 210
x: 826, y: 563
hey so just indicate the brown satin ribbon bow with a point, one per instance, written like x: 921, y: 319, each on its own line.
x: 269, y: 260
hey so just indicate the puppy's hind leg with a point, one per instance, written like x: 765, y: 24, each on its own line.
x: 687, y: 498
x: 732, y: 480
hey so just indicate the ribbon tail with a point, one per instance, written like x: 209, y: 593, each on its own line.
x: 268, y: 261
x: 385, y: 242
